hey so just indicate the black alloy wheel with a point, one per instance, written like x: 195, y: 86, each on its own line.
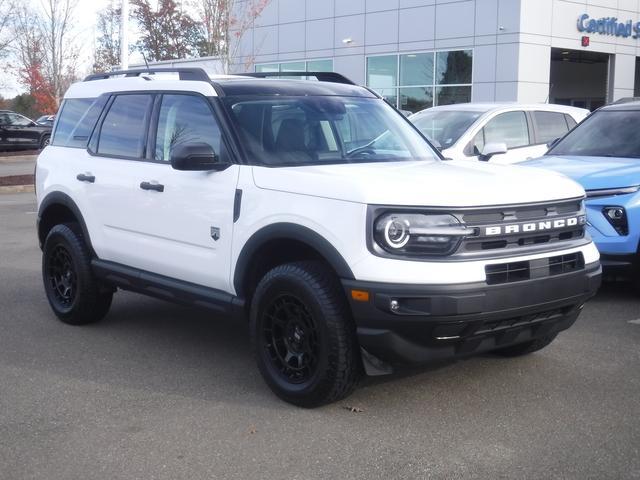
x: 62, y: 276
x: 290, y: 338
x: 303, y: 335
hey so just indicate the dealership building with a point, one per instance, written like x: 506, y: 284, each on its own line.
x: 419, y: 53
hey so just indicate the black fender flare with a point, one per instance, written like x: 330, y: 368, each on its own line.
x: 60, y: 198
x: 288, y: 231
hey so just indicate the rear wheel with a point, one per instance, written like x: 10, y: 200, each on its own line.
x: 303, y: 335
x: 74, y: 294
x: 45, y: 141
x: 526, y: 347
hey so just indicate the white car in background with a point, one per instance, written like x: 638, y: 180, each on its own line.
x: 501, y: 133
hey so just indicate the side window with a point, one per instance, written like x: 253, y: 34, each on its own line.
x: 123, y: 130
x: 550, y: 125
x: 4, y: 119
x: 18, y: 120
x: 76, y: 120
x: 570, y: 121
x: 476, y: 145
x: 185, y: 119
x: 510, y: 128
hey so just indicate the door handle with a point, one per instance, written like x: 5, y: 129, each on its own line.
x: 86, y: 177
x: 158, y: 187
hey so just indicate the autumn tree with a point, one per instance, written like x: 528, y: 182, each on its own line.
x: 107, y: 52
x: 224, y: 24
x: 6, y: 18
x: 30, y: 58
x: 167, y: 33
x: 59, y: 44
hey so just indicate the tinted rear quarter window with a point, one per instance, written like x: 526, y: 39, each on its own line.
x: 76, y: 120
x: 550, y: 125
x: 570, y: 121
x: 123, y: 132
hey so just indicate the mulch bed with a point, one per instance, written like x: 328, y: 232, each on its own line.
x: 17, y: 153
x: 16, y: 180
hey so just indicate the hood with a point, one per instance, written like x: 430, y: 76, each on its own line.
x: 593, y: 173
x: 424, y: 183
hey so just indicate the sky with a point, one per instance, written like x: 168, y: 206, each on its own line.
x: 85, y: 20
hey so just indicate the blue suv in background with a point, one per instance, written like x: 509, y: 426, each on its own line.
x: 603, y: 155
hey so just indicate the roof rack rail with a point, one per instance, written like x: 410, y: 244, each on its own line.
x: 197, y: 74
x: 332, y: 77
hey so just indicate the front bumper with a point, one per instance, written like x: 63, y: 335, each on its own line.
x: 448, y: 321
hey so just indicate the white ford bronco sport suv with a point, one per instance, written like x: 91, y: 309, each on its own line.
x: 315, y: 210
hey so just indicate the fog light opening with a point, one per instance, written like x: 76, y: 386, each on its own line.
x: 394, y: 305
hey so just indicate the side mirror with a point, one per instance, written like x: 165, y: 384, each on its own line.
x: 196, y: 157
x: 553, y: 143
x: 491, y: 149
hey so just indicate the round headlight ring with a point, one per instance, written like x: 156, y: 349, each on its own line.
x: 396, y: 232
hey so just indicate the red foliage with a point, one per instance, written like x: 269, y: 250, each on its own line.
x: 40, y: 89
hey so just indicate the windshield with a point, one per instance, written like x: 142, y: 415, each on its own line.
x: 444, y: 127
x: 291, y: 131
x: 603, y: 134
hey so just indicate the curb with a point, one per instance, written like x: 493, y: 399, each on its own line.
x: 17, y: 189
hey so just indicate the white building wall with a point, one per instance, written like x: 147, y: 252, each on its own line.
x: 511, y: 39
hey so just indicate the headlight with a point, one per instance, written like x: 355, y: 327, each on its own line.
x: 413, y: 234
x: 617, y: 217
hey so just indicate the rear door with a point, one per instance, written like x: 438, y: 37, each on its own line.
x: 550, y: 126
x: 115, y: 159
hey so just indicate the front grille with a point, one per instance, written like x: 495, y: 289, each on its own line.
x: 544, y: 267
x: 528, y: 227
x: 494, y: 326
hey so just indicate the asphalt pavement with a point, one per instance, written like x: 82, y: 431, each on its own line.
x: 158, y: 391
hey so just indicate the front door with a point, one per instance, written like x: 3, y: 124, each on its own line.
x: 512, y: 129
x: 183, y: 221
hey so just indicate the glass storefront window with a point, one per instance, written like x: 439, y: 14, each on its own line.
x: 320, y: 66
x: 415, y: 81
x: 268, y: 68
x: 382, y: 72
x: 416, y: 69
x: 453, y: 68
x: 325, y: 65
x: 451, y: 95
x: 414, y: 99
x: 292, y: 67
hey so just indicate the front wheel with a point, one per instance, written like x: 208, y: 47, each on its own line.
x: 526, y: 347
x: 303, y: 335
x: 45, y: 141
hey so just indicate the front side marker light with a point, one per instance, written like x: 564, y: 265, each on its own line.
x: 360, y: 295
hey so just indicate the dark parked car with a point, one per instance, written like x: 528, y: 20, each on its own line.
x: 46, y: 120
x: 20, y: 132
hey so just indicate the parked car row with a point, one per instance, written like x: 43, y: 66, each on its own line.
x: 20, y: 132
x: 602, y: 154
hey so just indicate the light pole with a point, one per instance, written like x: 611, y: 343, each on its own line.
x: 124, y: 35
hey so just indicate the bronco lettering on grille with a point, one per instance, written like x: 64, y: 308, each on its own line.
x: 534, y: 226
